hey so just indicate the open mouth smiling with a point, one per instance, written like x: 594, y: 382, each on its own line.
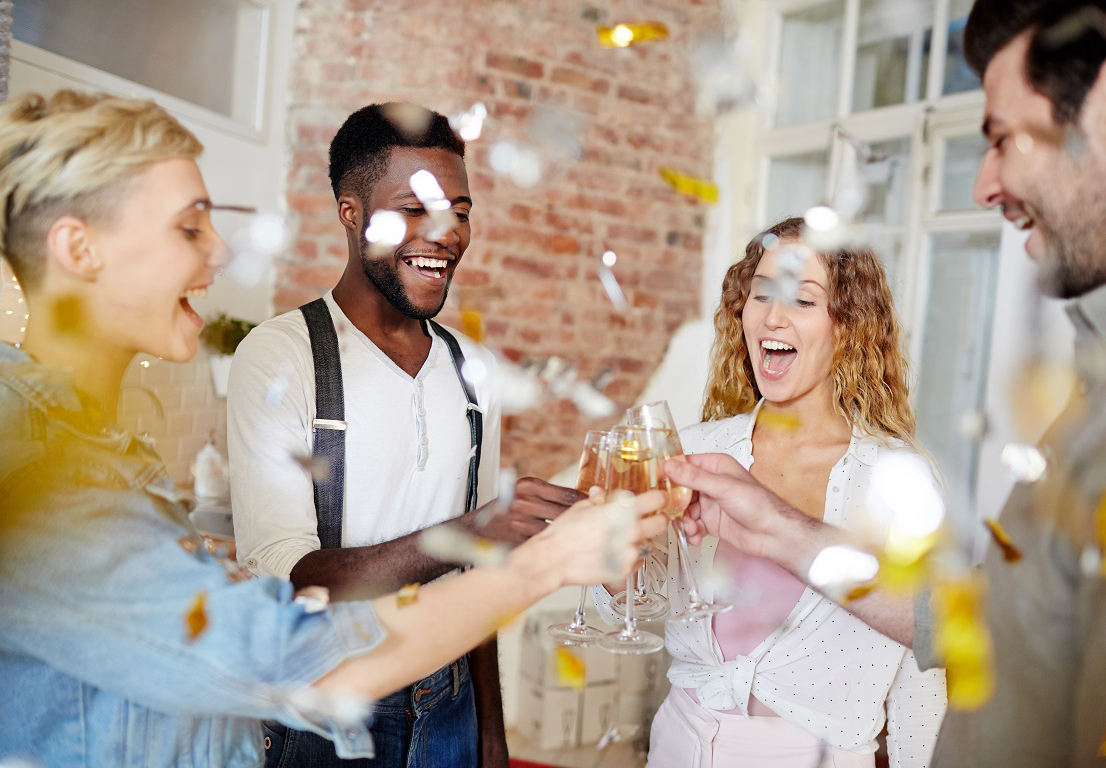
x: 776, y: 357
x: 429, y: 267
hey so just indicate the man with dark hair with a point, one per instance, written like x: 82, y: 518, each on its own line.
x: 421, y: 443
x: 1042, y: 63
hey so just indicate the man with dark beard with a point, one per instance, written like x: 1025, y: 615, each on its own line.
x: 418, y: 451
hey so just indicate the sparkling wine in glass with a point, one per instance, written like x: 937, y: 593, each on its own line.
x: 632, y: 467
x: 594, y: 461
x: 657, y: 417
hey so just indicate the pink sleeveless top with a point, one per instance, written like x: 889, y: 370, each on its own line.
x: 763, y: 595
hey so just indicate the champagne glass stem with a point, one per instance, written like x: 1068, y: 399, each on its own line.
x: 630, y: 625
x: 685, y: 563
x: 578, y: 619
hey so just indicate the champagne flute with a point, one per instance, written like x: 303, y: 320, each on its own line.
x: 594, y: 461
x: 657, y: 417
x: 633, y: 467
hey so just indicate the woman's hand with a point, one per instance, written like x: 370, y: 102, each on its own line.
x: 594, y: 542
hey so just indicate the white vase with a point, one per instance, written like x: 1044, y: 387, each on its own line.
x: 220, y: 373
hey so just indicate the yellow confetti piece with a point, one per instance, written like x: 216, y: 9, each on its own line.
x: 964, y: 643
x: 623, y: 35
x: 1100, y: 530
x: 472, y: 325
x: 700, y: 189
x: 195, y: 620
x: 858, y: 592
x: 68, y: 314
x: 1010, y: 553
x: 786, y: 422
x: 407, y: 594
x: 571, y: 669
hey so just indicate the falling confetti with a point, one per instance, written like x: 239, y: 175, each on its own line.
x: 610, y: 282
x: 864, y: 152
x: 1025, y: 463
x: 313, y: 599
x: 723, y: 79
x: 440, y: 219
x: 68, y: 315
x: 785, y: 421
x: 521, y: 164
x: 963, y: 642
x: 611, y: 736
x: 571, y: 669
x: 469, y: 124
x: 450, y: 544
x: 1010, y: 553
x: 472, y: 325
x: 699, y: 189
x: 409, y: 119
x: 1100, y: 532
x: 318, y: 467
x: 623, y: 35
x: 407, y: 594
x: 195, y: 620
x: 839, y: 568
x: 386, y: 230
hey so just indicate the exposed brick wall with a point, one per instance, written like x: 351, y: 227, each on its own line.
x: 530, y: 268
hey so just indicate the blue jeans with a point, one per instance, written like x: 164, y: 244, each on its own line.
x: 432, y: 724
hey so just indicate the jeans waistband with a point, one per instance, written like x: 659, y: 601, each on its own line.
x: 447, y: 679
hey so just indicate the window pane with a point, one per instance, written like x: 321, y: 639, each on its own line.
x: 952, y: 372
x: 810, y: 64
x: 888, y: 183
x: 795, y: 183
x: 159, y: 48
x: 958, y: 75
x: 962, y: 159
x: 891, y: 60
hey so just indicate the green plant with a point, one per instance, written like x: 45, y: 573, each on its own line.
x: 223, y: 334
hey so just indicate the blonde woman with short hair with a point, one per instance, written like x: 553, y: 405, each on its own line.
x: 122, y: 641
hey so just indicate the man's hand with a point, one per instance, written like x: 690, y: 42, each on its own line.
x: 534, y: 504
x: 733, y: 506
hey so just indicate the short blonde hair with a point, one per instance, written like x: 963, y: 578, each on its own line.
x: 869, y: 367
x: 72, y: 153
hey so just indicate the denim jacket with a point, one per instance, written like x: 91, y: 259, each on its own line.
x: 122, y: 642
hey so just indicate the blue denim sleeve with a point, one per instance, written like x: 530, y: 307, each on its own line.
x: 95, y: 582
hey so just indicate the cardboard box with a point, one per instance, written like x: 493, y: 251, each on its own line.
x: 599, y: 712
x: 549, y: 717
x: 538, y: 655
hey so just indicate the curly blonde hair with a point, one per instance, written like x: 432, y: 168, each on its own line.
x: 72, y: 153
x: 869, y: 368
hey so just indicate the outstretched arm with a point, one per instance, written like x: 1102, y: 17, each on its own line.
x: 733, y: 506
x: 591, y: 543
x: 386, y: 567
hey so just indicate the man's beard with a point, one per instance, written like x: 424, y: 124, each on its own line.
x: 384, y: 274
x: 1075, y: 242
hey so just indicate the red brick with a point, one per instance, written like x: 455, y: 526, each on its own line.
x: 517, y: 65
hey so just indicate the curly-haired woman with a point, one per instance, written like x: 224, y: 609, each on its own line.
x: 808, y: 378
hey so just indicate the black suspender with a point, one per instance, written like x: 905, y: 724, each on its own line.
x: 476, y: 418
x: 329, y: 427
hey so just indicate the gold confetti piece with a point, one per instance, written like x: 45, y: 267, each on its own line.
x: 407, y: 594
x: 787, y: 422
x: 963, y: 642
x: 858, y: 592
x: 700, y: 189
x: 571, y: 669
x: 623, y: 35
x: 195, y: 620
x: 1010, y: 553
x: 68, y: 314
x: 472, y: 325
x: 189, y: 544
x: 1100, y: 531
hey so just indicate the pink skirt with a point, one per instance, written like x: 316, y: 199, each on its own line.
x: 687, y: 735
